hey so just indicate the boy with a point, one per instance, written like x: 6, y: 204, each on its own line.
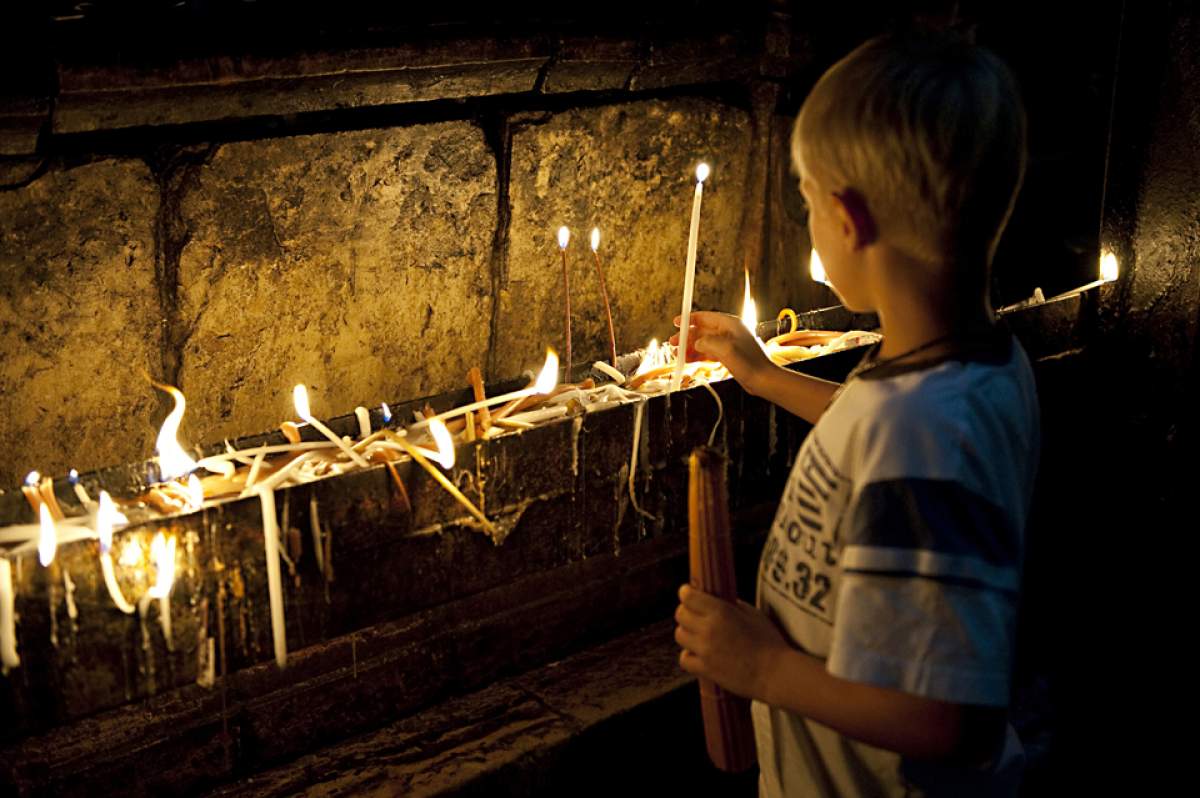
x: 879, y: 655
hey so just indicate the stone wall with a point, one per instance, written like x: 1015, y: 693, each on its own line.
x: 369, y: 223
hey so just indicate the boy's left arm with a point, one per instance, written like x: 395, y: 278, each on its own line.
x: 740, y: 649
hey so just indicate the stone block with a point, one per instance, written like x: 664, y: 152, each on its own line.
x: 79, y: 319
x: 357, y: 263
x: 279, y: 93
x: 630, y: 170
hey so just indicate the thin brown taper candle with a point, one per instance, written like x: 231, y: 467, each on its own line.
x: 728, y: 730
x: 564, y: 237
x: 612, y: 338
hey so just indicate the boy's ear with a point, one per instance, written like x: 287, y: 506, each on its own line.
x: 855, y: 217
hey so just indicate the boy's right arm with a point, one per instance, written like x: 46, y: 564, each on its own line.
x: 722, y: 337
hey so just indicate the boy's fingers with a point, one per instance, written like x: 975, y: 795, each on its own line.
x: 689, y: 662
x: 686, y: 618
x: 697, y: 601
x: 686, y: 639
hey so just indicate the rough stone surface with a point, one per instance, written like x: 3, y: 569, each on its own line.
x: 356, y: 263
x: 629, y: 169
x: 78, y: 319
x: 96, y: 110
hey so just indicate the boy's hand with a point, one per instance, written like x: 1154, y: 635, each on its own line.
x: 734, y: 645
x: 722, y: 337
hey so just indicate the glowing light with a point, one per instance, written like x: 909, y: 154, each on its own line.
x: 656, y: 356
x: 816, y: 269
x: 564, y: 237
x: 48, y: 538
x: 131, y: 554
x: 195, y: 493
x: 595, y: 238
x: 300, y: 400
x: 445, y: 444
x: 386, y: 411
x: 162, y: 552
x: 32, y: 479
x: 108, y: 516
x: 548, y: 377
x: 73, y: 477
x: 749, y: 309
x: 1109, y: 269
x: 702, y: 172
x: 173, y: 461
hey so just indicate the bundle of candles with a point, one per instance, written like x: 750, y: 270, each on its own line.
x: 430, y: 439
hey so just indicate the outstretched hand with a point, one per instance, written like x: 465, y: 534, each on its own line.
x: 722, y: 337
x: 734, y: 645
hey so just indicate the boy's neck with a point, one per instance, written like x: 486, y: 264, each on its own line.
x: 918, y: 304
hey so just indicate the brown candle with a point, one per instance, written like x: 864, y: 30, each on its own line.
x: 728, y: 731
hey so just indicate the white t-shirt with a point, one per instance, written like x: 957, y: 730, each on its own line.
x: 895, y: 557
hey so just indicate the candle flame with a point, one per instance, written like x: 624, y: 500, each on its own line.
x: 749, y: 309
x: 595, y: 238
x: 702, y: 172
x: 173, y: 461
x: 300, y: 400
x: 548, y: 377
x: 106, y: 517
x: 445, y: 444
x: 73, y: 476
x: 162, y: 552
x: 48, y: 539
x: 816, y: 269
x: 195, y: 493
x: 1108, y: 266
x: 564, y: 237
x: 655, y: 356
x: 32, y: 479
x: 386, y: 411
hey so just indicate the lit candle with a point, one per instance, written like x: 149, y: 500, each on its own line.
x: 689, y: 278
x: 1109, y: 271
x: 106, y: 516
x: 445, y: 457
x: 564, y: 236
x: 816, y: 269
x: 612, y: 338
x: 749, y: 309
x: 8, y: 629
x: 48, y: 538
x: 80, y: 491
x: 386, y: 411
x: 173, y: 461
x: 546, y: 380
x: 29, y: 489
x: 300, y: 398
x: 274, y: 582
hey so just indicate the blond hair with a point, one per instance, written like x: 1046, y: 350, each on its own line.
x: 930, y: 130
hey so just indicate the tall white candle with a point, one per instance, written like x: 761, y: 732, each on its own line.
x: 689, y: 278
x: 274, y: 582
x: 8, y: 630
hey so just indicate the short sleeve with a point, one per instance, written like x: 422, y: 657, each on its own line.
x: 928, y: 595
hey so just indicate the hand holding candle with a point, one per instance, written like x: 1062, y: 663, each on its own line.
x: 689, y: 278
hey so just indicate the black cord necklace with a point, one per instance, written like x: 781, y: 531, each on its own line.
x: 868, y: 364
